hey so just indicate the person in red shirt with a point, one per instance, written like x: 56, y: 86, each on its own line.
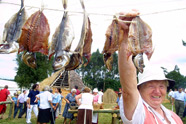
x: 77, y: 91
x: 4, y: 93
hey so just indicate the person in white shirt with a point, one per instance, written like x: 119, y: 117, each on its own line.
x: 179, y: 98
x: 20, y: 102
x: 170, y: 94
x: 141, y: 103
x: 100, y: 93
x: 85, y: 107
x: 44, y: 107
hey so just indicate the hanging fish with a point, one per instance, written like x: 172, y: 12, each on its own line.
x: 88, y: 43
x: 84, y: 46
x: 34, y: 38
x: 139, y: 42
x: 61, y: 41
x: 12, y: 31
x: 113, y: 39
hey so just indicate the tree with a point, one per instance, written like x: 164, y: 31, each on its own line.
x: 96, y: 74
x: 179, y: 79
x: 27, y: 76
x: 184, y: 43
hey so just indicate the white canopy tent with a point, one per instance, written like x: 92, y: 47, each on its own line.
x: 12, y: 86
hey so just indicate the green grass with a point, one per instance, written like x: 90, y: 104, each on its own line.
x: 169, y: 106
x: 104, y: 118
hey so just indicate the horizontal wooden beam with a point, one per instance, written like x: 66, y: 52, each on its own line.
x: 98, y: 111
x: 6, y: 102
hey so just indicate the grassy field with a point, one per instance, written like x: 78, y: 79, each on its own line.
x: 104, y: 118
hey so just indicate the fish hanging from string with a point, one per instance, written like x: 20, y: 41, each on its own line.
x: 12, y: 31
x: 139, y: 42
x: 61, y: 41
x: 84, y: 46
x: 34, y: 38
x: 113, y: 39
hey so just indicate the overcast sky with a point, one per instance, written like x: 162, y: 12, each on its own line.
x: 167, y: 19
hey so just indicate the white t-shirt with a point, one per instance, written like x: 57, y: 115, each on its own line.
x: 100, y: 93
x: 171, y: 93
x: 45, y: 97
x: 139, y: 113
x: 21, y: 98
x: 86, y: 101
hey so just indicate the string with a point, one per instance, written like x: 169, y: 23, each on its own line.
x: 101, y: 14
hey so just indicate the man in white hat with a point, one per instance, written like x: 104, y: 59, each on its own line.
x: 141, y: 103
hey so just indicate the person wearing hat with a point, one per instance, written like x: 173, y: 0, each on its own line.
x: 179, y: 98
x: 96, y: 100
x: 141, y: 103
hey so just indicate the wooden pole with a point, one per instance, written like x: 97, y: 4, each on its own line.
x: 6, y: 102
x: 10, y: 111
x: 11, y: 107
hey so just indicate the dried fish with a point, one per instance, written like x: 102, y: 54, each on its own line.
x: 61, y: 41
x: 34, y: 38
x: 12, y: 31
x: 84, y: 46
x: 139, y: 42
x: 113, y: 39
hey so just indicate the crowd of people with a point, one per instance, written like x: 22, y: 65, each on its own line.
x: 46, y: 104
x: 178, y: 97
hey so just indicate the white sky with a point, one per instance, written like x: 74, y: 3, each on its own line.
x: 169, y: 28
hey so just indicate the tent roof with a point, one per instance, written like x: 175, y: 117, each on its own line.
x: 10, y: 84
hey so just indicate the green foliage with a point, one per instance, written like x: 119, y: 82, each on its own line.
x: 180, y: 80
x: 27, y: 76
x: 184, y: 43
x: 96, y: 74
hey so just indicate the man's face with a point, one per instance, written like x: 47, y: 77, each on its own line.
x: 153, y: 92
x: 37, y: 87
x: 25, y: 92
x: 180, y: 90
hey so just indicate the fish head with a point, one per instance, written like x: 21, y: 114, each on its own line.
x: 29, y: 59
x: 7, y: 48
x: 138, y: 62
x: 62, y: 59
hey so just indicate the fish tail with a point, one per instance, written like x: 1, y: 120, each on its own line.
x: 22, y: 4
x: 82, y: 4
x: 64, y: 4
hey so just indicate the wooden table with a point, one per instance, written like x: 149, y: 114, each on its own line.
x: 113, y: 112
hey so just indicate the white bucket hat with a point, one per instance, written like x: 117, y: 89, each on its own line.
x: 95, y: 90
x: 153, y: 73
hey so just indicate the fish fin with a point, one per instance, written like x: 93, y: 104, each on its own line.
x: 87, y: 56
x: 149, y: 55
x: 50, y: 56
